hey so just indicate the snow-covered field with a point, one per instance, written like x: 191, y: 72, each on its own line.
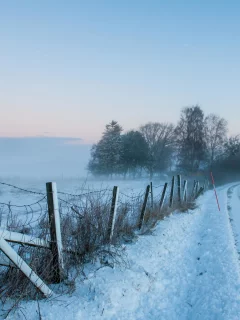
x: 188, y: 269
x: 16, y: 197
x: 76, y: 186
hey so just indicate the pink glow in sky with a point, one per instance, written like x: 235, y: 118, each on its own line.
x: 68, y: 70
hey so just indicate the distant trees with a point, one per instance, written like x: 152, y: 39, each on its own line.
x: 232, y: 147
x: 190, y: 139
x: 227, y: 165
x: 198, y: 142
x: 215, y: 137
x: 148, y: 149
x: 134, y: 152
x: 160, y: 139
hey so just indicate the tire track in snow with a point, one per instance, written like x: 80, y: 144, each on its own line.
x: 233, y: 207
x: 214, y: 293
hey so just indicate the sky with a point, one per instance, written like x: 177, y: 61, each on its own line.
x: 67, y: 68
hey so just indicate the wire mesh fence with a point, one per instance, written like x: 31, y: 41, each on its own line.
x: 84, y: 221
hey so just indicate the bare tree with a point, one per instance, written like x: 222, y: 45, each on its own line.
x: 215, y: 136
x: 159, y: 138
x: 232, y: 146
x: 190, y: 138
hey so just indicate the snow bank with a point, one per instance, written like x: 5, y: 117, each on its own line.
x: 187, y: 269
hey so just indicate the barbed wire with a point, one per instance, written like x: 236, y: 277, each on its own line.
x: 24, y: 205
x: 29, y: 222
x: 159, y: 186
x: 131, y: 197
x: 158, y: 197
x: 18, y: 220
x: 83, y: 194
x: 21, y: 189
x: 70, y: 203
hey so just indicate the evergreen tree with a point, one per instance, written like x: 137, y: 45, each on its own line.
x: 134, y: 152
x: 106, y: 154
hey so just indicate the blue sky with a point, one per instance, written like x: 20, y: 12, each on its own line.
x: 69, y: 67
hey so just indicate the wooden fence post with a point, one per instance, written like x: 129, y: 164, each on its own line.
x: 179, y: 188
x: 144, y: 207
x: 184, y: 198
x: 204, y: 185
x: 172, y: 192
x: 151, y: 190
x: 55, y: 232
x: 112, y: 213
x: 193, y: 189
x: 197, y: 188
x: 200, y: 191
x: 163, y: 196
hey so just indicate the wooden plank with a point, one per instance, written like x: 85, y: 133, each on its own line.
x: 23, y: 238
x: 113, y: 212
x: 55, y: 232
x: 24, y: 267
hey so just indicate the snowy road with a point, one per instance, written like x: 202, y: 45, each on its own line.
x: 188, y: 269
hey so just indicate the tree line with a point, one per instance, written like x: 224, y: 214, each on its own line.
x: 197, y: 142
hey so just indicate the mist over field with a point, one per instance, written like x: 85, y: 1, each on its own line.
x: 43, y: 158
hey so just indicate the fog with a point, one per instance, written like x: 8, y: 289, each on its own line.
x: 43, y: 158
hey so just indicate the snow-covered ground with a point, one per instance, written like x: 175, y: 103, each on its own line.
x: 234, y: 212
x: 188, y: 269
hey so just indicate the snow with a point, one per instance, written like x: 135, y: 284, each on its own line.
x: 187, y: 269
x: 234, y: 212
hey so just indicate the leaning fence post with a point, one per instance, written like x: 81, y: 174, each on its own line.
x: 193, y: 189
x: 113, y: 213
x: 144, y: 207
x: 172, y: 191
x: 163, y: 196
x: 184, y: 191
x: 24, y: 267
x: 197, y: 188
x: 151, y: 191
x: 179, y: 187
x: 204, y: 185
x: 200, y: 191
x: 55, y: 231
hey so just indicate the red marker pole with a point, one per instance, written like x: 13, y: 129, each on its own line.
x: 215, y: 191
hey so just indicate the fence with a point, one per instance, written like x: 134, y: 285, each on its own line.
x: 178, y: 196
